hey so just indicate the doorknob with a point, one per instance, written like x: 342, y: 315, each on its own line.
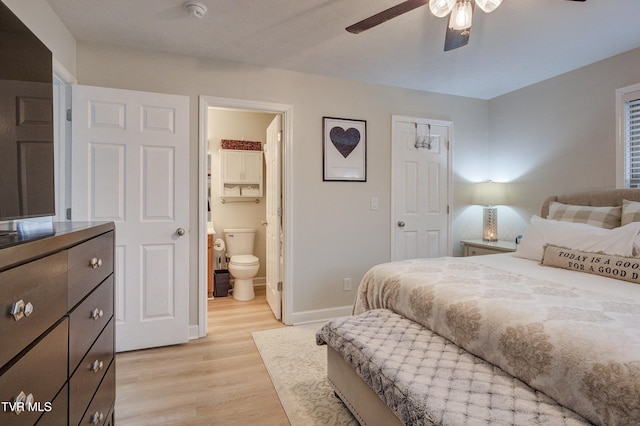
x: 264, y: 223
x: 180, y: 232
x: 401, y: 224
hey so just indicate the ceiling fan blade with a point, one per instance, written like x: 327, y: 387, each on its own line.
x: 385, y: 15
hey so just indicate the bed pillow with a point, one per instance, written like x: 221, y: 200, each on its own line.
x: 531, y: 244
x: 603, y: 217
x: 630, y: 212
x: 579, y: 236
x: 618, y: 267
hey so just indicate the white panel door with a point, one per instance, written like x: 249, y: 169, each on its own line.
x: 274, y: 225
x: 130, y: 153
x: 420, y: 188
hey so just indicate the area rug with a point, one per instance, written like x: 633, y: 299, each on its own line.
x: 298, y: 370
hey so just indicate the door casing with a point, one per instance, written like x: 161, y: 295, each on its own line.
x: 286, y: 275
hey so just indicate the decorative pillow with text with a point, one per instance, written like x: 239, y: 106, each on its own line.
x: 618, y: 267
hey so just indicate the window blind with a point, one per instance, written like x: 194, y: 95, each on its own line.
x: 632, y: 141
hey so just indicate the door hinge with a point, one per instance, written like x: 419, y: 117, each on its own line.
x: 68, y: 115
x: 447, y: 145
x: 447, y: 208
x: 280, y: 136
x: 69, y: 214
x: 279, y: 211
x: 279, y: 285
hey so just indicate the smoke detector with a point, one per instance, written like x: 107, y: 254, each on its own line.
x: 195, y: 8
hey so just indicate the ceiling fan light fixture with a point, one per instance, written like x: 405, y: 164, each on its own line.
x: 488, y: 6
x: 461, y: 15
x: 441, y: 8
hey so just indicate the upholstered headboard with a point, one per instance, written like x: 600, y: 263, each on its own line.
x: 598, y: 198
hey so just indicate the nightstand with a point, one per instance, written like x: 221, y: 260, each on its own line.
x: 480, y: 247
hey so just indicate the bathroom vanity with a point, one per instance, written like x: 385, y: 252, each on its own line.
x: 57, y: 363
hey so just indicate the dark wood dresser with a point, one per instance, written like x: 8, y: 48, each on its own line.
x: 57, y: 330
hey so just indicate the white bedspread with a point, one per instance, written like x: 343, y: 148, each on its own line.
x: 530, y: 268
x: 558, y: 334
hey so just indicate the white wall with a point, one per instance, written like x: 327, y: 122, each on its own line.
x: 335, y: 234
x: 240, y: 125
x: 558, y: 136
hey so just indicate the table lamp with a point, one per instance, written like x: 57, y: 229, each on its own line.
x: 489, y: 194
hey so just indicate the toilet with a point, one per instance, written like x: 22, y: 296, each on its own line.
x: 243, y: 265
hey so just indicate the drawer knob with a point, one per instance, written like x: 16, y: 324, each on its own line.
x: 28, y: 309
x: 29, y: 400
x: 96, y: 418
x: 95, y: 263
x: 24, y: 400
x: 96, y: 314
x: 97, y: 366
x: 20, y: 309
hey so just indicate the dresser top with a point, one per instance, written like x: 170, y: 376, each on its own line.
x: 15, y: 250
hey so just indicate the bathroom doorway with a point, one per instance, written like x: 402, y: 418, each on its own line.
x: 244, y: 121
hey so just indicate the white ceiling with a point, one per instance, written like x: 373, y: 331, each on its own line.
x: 522, y: 42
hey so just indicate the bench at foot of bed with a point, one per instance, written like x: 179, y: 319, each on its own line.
x: 390, y: 370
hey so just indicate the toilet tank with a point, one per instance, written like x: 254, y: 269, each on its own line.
x: 239, y: 241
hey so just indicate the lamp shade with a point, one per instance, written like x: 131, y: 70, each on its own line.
x: 489, y: 194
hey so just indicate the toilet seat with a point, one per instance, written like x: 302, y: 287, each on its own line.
x: 244, y: 260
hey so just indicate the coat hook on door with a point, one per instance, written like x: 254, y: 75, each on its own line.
x: 424, y: 141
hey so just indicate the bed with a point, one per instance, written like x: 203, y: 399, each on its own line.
x: 546, y: 335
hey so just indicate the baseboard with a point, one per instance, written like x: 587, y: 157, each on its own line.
x: 305, y: 317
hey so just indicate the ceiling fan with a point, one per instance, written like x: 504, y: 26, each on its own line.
x: 460, y: 16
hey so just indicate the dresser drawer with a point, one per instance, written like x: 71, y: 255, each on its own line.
x: 85, y: 381
x: 101, y: 406
x: 58, y: 413
x: 41, y: 373
x: 87, y: 320
x: 41, y: 286
x: 89, y: 264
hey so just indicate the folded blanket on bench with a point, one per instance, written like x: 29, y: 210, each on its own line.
x: 427, y: 380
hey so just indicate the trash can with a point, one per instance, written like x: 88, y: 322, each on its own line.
x: 221, y: 286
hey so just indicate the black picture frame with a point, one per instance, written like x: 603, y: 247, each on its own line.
x: 344, y: 150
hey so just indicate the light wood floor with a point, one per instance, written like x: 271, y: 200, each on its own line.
x: 217, y: 380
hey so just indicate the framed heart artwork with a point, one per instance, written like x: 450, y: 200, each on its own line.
x: 344, y: 150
